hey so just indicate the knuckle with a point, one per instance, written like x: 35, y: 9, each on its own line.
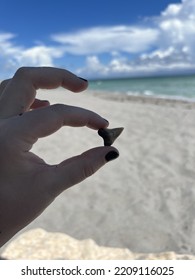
x: 23, y: 72
x: 58, y: 107
x: 88, y: 171
x: 57, y: 110
x: 4, y: 83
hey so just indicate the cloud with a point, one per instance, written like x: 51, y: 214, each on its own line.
x: 176, y: 26
x: 39, y: 55
x: 95, y: 68
x: 169, y: 49
x: 98, y: 40
x: 13, y: 56
x: 165, y: 43
x: 90, y: 42
x: 7, y: 53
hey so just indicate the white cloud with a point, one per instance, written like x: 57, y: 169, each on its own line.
x: 175, y: 49
x: 173, y: 44
x: 13, y: 56
x: 93, y: 68
x: 165, y: 43
x: 39, y: 55
x: 6, y: 46
x: 178, y: 30
x: 172, y: 10
x: 98, y: 40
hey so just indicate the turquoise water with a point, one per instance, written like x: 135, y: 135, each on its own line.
x: 172, y: 86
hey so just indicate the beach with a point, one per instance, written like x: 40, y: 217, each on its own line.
x: 144, y: 200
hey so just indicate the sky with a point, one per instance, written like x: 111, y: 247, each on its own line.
x: 100, y: 38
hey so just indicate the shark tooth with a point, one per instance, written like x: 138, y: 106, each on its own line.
x: 109, y: 135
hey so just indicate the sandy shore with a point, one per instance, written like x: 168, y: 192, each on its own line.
x: 145, y: 200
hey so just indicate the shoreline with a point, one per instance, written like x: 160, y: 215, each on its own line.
x: 165, y: 100
x: 171, y: 101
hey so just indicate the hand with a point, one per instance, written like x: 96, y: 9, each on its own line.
x: 27, y: 184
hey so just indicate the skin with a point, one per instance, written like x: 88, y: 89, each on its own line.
x: 28, y: 184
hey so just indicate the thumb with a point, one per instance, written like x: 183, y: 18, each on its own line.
x: 78, y: 168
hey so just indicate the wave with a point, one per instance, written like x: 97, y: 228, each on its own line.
x: 150, y: 93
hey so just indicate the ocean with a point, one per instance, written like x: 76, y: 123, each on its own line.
x: 176, y: 87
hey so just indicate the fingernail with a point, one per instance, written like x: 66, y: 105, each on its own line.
x: 83, y: 79
x: 106, y: 120
x: 111, y: 156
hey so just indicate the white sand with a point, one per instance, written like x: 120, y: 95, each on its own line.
x: 145, y: 200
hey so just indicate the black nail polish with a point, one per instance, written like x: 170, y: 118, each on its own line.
x: 83, y: 79
x: 106, y: 120
x: 111, y: 156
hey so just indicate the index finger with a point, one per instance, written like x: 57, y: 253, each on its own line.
x: 20, y: 93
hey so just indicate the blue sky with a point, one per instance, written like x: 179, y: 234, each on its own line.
x: 99, y: 38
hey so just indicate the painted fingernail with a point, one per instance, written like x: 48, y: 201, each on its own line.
x: 111, y: 156
x: 83, y: 79
x: 106, y: 121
